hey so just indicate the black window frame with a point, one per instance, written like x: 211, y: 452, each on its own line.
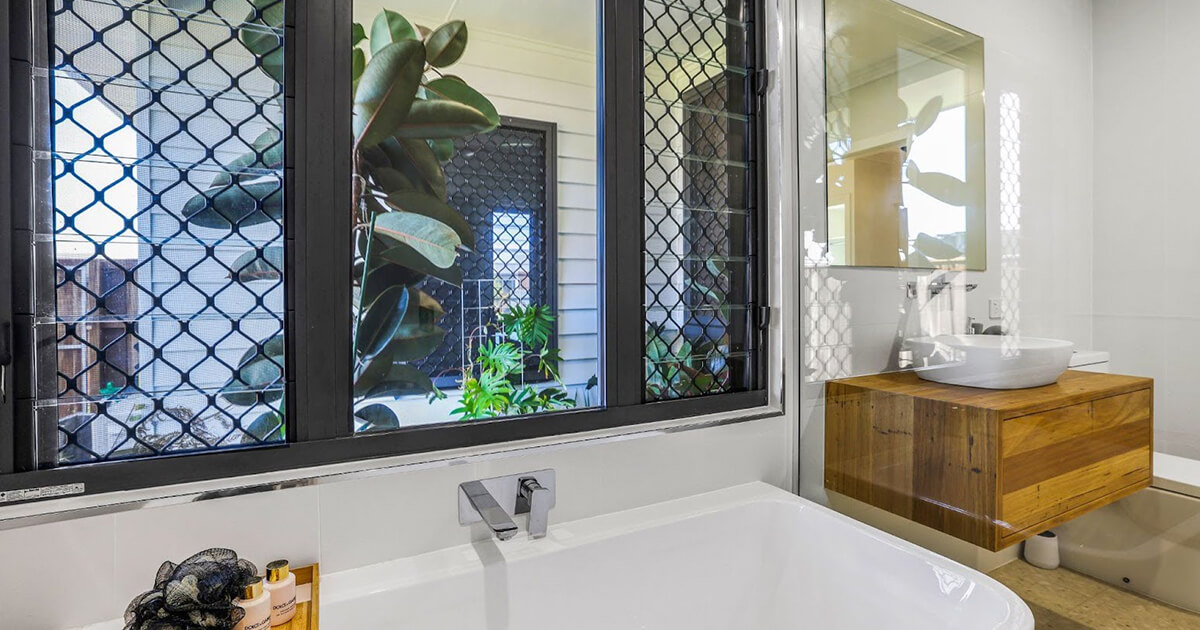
x: 318, y: 255
x: 544, y: 261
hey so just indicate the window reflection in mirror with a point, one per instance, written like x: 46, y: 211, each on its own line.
x: 905, y: 124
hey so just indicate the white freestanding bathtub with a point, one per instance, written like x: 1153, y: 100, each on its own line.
x: 748, y: 558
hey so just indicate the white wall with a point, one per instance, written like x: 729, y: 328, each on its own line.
x: 1147, y: 126
x: 1039, y: 206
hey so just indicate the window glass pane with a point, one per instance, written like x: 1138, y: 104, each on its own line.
x: 160, y: 327
x: 476, y: 258
x: 700, y: 188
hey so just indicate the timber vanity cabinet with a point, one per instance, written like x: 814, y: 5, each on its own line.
x: 991, y: 467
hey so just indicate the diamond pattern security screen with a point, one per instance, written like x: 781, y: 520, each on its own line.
x: 160, y: 330
x: 700, y: 197
x: 499, y: 182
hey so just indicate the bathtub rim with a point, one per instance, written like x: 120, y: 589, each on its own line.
x: 1173, y: 473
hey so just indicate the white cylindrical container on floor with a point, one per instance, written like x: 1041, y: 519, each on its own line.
x: 1042, y: 550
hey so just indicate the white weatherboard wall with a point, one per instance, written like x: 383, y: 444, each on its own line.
x: 1147, y: 125
x: 1039, y: 208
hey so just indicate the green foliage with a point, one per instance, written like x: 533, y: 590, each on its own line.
x: 677, y: 367
x: 407, y: 114
x: 519, y: 337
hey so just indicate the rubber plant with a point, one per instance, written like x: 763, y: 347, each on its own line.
x: 407, y: 114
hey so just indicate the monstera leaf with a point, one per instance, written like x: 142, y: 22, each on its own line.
x: 385, y: 92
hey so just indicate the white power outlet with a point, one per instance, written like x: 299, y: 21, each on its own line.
x: 994, y: 310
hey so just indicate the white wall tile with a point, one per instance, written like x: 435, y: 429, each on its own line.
x: 260, y: 527
x: 380, y: 518
x: 58, y: 575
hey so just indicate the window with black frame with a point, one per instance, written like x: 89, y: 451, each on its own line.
x: 159, y: 242
x: 701, y: 187
x: 273, y: 235
x: 458, y: 263
x: 504, y: 184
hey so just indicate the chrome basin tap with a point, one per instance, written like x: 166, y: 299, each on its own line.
x: 497, y: 500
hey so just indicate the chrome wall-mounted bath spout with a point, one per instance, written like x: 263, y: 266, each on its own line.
x: 936, y: 287
x: 498, y: 500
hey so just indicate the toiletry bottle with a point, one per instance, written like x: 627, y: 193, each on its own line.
x: 281, y: 585
x: 257, y: 604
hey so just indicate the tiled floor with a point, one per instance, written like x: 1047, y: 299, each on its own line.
x: 1064, y: 600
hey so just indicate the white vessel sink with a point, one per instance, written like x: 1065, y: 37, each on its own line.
x: 990, y: 361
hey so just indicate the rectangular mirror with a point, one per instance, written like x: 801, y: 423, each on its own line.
x: 905, y: 138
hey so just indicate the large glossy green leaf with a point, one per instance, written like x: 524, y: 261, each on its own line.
x: 256, y: 372
x: 384, y: 95
x: 434, y: 208
x: 447, y: 43
x: 416, y: 160
x: 384, y: 274
x: 358, y: 34
x: 358, y: 61
x: 253, y: 266
x: 370, y: 372
x: 436, y: 119
x: 266, y: 154
x: 443, y: 148
x: 388, y: 180
x: 434, y: 240
x: 430, y: 310
x: 407, y: 257
x: 260, y: 35
x: 400, y: 380
x: 415, y: 342
x: 381, y: 321
x: 267, y: 427
x: 453, y: 88
x: 377, y: 418
x: 389, y: 28
x: 247, y: 203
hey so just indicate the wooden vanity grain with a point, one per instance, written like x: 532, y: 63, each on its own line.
x: 992, y: 467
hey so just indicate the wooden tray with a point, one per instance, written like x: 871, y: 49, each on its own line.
x: 307, y: 611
